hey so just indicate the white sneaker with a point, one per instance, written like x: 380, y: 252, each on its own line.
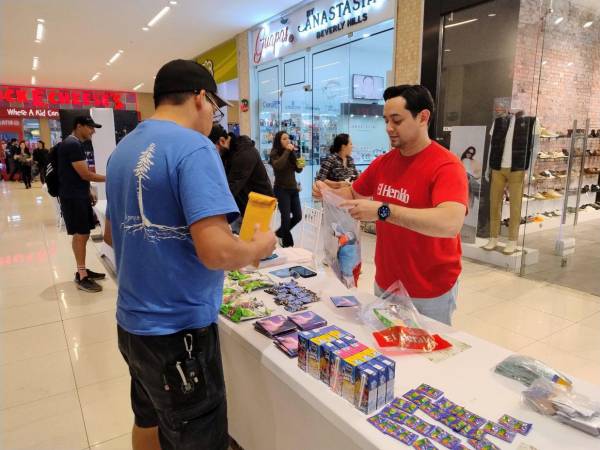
x: 510, y: 248
x: 491, y: 244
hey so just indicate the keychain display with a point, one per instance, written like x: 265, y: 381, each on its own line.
x: 292, y: 296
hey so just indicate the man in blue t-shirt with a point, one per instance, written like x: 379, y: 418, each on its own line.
x: 169, y: 207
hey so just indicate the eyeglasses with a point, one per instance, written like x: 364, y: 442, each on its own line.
x: 217, y: 113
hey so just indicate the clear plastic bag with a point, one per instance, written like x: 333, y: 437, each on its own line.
x: 526, y: 370
x: 341, y: 240
x: 396, y: 322
x: 564, y: 405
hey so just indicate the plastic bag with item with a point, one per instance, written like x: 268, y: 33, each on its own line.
x: 341, y: 240
x: 526, y: 370
x: 564, y: 405
x: 397, y: 323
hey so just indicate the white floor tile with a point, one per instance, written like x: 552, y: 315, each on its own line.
x: 51, y: 423
x: 577, y: 340
x: 91, y: 329
x: 558, y: 302
x: 97, y: 362
x: 120, y: 443
x: 492, y: 333
x: 29, y: 315
x: 32, y: 342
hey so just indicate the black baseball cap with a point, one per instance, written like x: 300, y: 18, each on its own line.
x: 85, y: 120
x: 183, y: 75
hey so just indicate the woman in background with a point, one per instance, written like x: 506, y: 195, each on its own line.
x: 25, y: 161
x: 338, y: 169
x: 285, y: 166
x: 40, y: 157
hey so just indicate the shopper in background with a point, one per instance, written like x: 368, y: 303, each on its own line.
x: 244, y: 168
x: 25, y: 160
x: 417, y: 193
x: 285, y: 166
x: 169, y: 206
x: 338, y: 169
x: 76, y: 198
x: 40, y: 157
x: 3, y: 148
x: 13, y: 165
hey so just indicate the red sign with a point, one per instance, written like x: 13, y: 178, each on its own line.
x: 38, y: 102
x: 28, y: 113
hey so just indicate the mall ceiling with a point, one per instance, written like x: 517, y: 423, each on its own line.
x: 80, y: 37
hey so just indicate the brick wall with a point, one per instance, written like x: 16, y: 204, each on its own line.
x: 569, y: 81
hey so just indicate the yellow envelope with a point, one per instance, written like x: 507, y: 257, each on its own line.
x: 259, y: 211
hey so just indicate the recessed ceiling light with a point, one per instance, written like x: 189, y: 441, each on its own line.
x: 492, y: 15
x: 114, y: 57
x: 447, y: 50
x: 39, y: 32
x: 36, y: 63
x: 41, y: 21
x: 145, y: 28
x: 173, y: 2
x: 570, y: 63
x: 33, y: 80
x: 544, y: 63
x: 137, y: 86
x: 457, y: 24
x: 95, y: 77
x: 559, y: 20
x: 588, y: 24
x: 159, y: 16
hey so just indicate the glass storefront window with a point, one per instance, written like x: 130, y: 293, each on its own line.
x: 31, y: 131
x: 55, y: 132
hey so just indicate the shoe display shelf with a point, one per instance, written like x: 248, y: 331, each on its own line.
x: 528, y: 256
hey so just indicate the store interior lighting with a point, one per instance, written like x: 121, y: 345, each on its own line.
x: 159, y: 16
x: 33, y: 80
x: 137, y: 86
x: 39, y: 31
x: 588, y: 24
x: 114, y: 57
x: 492, y: 15
x: 458, y: 24
x: 559, y: 20
x: 96, y: 76
x: 36, y: 63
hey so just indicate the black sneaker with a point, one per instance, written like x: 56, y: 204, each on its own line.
x: 95, y: 275
x: 87, y: 284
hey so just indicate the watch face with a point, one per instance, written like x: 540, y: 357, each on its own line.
x: 384, y: 212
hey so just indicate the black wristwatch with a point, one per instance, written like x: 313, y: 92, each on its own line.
x: 384, y: 211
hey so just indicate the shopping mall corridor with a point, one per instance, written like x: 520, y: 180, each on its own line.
x: 64, y: 384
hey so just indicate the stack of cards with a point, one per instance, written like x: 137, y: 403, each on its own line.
x: 274, y: 326
x: 288, y: 343
x: 345, y: 301
x: 307, y: 320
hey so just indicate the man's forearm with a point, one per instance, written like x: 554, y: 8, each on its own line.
x: 433, y: 222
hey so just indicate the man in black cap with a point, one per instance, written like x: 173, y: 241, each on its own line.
x: 76, y: 198
x: 169, y: 207
x: 243, y: 166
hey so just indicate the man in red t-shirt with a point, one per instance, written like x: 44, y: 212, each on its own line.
x: 417, y: 193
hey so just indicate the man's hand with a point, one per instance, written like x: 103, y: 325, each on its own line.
x: 318, y: 188
x: 265, y: 242
x: 364, y: 210
x: 93, y: 199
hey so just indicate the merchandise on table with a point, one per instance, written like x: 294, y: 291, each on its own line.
x: 341, y: 241
x: 567, y: 407
x: 499, y: 431
x: 345, y: 301
x: 515, y: 424
x: 430, y: 392
x: 248, y: 280
x: 526, y: 370
x: 292, y: 296
x: 393, y: 429
x: 307, y: 320
x: 243, y: 307
x: 274, y: 325
x: 288, y: 343
x: 424, y: 444
x: 483, y: 444
x: 404, y: 405
x: 259, y: 210
x: 446, y: 439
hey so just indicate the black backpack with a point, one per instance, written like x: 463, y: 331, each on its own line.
x: 52, y: 171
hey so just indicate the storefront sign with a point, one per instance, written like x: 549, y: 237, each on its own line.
x: 221, y: 61
x: 314, y: 23
x: 17, y: 101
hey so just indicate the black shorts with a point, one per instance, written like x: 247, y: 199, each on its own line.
x: 186, y: 420
x: 78, y: 215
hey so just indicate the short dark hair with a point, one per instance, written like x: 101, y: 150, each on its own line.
x: 174, y: 98
x: 418, y: 98
x: 340, y: 139
x: 216, y: 133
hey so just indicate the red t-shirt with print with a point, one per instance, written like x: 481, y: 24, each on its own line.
x: 427, y: 266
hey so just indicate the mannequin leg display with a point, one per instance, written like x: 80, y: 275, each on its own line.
x: 499, y: 180
x: 515, y: 191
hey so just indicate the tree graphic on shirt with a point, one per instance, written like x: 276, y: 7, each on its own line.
x: 152, y: 231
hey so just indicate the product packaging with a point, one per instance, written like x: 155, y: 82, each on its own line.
x: 526, y: 370
x: 303, y: 338
x: 390, y: 366
x: 259, y: 211
x: 366, y: 394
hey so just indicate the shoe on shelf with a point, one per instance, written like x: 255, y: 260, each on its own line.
x: 585, y: 189
x: 565, y: 152
x: 491, y: 244
x: 537, y: 218
x: 552, y: 194
x: 539, y: 196
x: 510, y: 248
x: 557, y: 155
x: 547, y: 175
x: 544, y: 155
x: 546, y: 133
x: 87, y: 284
x: 594, y: 188
x: 95, y: 275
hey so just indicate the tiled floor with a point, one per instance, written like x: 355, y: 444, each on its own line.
x: 63, y: 383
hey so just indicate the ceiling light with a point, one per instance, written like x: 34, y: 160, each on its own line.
x: 114, y: 57
x: 366, y: 35
x: 559, y: 20
x: 457, y: 24
x: 544, y: 63
x: 39, y: 32
x: 569, y: 64
x: 145, y: 28
x: 36, y: 63
x: 137, y: 86
x: 33, y: 80
x: 95, y: 77
x: 173, y: 2
x: 492, y: 15
x: 159, y: 16
x: 588, y: 24
x: 447, y: 50
x: 41, y: 21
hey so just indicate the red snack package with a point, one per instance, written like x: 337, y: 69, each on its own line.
x: 410, y: 339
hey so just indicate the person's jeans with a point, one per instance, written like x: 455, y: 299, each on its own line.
x: 26, y: 175
x: 438, y: 308
x: 288, y: 201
